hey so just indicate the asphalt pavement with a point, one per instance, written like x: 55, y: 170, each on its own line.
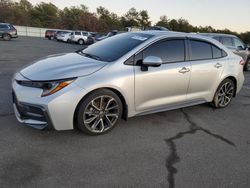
x: 186, y: 148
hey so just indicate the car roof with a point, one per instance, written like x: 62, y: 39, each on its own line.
x: 158, y: 33
x: 217, y: 34
x: 173, y: 34
x: 5, y: 24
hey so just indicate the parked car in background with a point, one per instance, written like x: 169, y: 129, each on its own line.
x: 233, y: 43
x: 7, y: 31
x: 110, y: 34
x: 64, y: 36
x: 80, y: 37
x: 50, y: 34
x: 91, y: 38
x: 156, y: 28
x: 127, y: 75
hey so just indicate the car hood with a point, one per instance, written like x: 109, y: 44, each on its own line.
x: 61, y: 66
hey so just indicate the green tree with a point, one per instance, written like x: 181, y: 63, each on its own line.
x: 45, y: 15
x: 130, y: 19
x: 163, y: 22
x: 109, y: 20
x: 143, y: 19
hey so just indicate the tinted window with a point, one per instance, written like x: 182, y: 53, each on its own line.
x: 227, y: 41
x: 238, y: 43
x: 115, y: 47
x: 77, y: 33
x: 200, y: 50
x: 217, y: 38
x: 84, y: 33
x: 168, y: 51
x: 217, y: 53
x: 3, y: 26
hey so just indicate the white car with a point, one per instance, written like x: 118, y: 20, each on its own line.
x: 80, y: 37
x: 64, y: 37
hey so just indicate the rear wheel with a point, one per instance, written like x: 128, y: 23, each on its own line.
x: 224, y: 94
x: 6, y: 37
x: 81, y: 42
x: 99, y: 112
x: 247, y: 65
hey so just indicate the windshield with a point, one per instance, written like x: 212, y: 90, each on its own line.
x: 115, y: 47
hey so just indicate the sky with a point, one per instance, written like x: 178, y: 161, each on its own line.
x: 220, y: 14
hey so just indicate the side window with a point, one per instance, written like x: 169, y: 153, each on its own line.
x: 77, y: 33
x: 200, y: 50
x: 217, y: 38
x: 4, y: 27
x: 238, y: 43
x: 218, y: 53
x: 169, y: 51
x: 227, y: 41
x: 84, y: 33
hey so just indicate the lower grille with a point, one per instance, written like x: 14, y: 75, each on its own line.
x: 28, y: 111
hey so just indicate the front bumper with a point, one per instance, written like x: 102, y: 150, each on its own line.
x: 33, y: 115
x: 54, y: 111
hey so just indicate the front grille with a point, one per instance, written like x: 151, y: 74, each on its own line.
x: 28, y: 111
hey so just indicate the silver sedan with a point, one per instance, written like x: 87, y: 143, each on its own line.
x: 123, y: 76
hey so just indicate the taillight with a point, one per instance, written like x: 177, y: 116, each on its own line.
x: 242, y: 62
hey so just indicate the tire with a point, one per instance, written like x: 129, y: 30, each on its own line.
x: 224, y: 94
x: 81, y: 42
x: 247, y: 65
x: 98, y: 112
x: 6, y: 37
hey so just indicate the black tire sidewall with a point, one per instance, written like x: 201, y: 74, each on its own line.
x: 215, y: 102
x: 6, y: 37
x: 86, y: 100
x: 247, y: 66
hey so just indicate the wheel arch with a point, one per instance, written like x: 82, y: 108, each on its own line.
x: 118, y: 93
x: 234, y: 81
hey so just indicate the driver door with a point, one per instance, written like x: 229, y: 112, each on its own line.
x: 166, y: 85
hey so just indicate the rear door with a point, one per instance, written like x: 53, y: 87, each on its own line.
x: 207, y: 65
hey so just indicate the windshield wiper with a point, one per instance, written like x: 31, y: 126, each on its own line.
x: 90, y: 55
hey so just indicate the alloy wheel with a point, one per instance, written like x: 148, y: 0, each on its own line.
x: 101, y: 114
x: 225, y: 94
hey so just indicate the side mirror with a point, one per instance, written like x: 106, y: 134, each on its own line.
x: 240, y: 48
x: 152, y: 61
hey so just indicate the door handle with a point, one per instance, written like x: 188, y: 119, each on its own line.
x: 218, y: 65
x: 184, y: 70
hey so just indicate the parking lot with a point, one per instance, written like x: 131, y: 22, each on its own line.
x: 190, y: 147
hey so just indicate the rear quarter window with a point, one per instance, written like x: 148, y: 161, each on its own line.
x: 217, y: 52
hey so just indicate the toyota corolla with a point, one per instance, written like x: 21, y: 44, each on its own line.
x: 123, y: 76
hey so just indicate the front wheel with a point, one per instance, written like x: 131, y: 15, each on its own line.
x: 99, y: 112
x: 224, y: 94
x: 247, y: 65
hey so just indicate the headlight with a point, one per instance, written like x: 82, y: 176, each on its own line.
x: 48, y: 87
x: 52, y: 87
